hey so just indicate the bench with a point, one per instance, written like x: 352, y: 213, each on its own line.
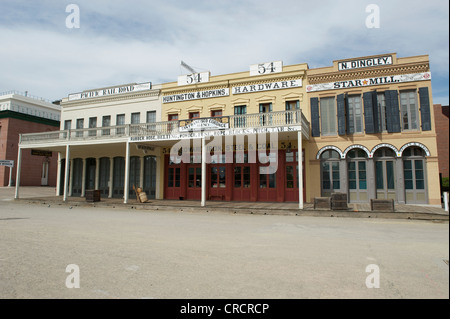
x: 92, y: 195
x: 322, y: 203
x: 339, y: 201
x: 382, y: 205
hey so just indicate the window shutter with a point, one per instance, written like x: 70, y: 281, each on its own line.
x: 270, y: 107
x: 261, y: 108
x: 392, y: 112
x: 341, y: 114
x: 350, y: 130
x: 287, y: 107
x: 376, y: 120
x: 315, y: 126
x: 369, y: 112
x: 297, y: 105
x: 425, y: 108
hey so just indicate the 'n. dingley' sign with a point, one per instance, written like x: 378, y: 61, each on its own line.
x: 369, y: 82
x: 111, y: 91
x: 365, y: 63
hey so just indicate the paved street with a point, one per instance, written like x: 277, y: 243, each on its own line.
x: 125, y: 253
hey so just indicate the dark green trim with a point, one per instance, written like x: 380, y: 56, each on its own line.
x: 29, y: 118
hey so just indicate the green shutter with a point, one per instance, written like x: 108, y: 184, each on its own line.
x: 392, y: 112
x: 425, y: 114
x: 315, y: 119
x: 341, y: 114
x: 369, y: 112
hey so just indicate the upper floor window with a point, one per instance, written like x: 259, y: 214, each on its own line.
x: 67, y: 124
x: 194, y: 115
x: 354, y: 115
x: 216, y: 113
x: 328, y: 116
x: 409, y: 118
x: 135, y: 118
x: 151, y: 116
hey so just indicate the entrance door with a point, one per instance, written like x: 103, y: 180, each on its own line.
x: 357, y: 182
x: 44, y: 176
x: 118, y: 176
x: 218, y: 182
x: 414, y: 181
x: 194, y: 182
x: 291, y: 177
x: 135, y: 174
x: 150, y: 176
x: 77, y: 176
x: 267, y: 187
x: 242, y: 182
x: 385, y: 179
x: 90, y: 173
x: 103, y: 183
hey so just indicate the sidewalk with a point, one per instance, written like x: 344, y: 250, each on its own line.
x: 46, y: 195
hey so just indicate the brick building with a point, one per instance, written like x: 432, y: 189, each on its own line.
x: 20, y: 113
x: 441, y: 114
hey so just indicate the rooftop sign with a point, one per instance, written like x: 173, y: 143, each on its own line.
x: 365, y: 63
x: 111, y: 91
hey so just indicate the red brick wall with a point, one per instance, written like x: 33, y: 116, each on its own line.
x: 31, y: 171
x: 441, y: 118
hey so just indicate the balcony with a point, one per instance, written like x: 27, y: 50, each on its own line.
x: 159, y: 129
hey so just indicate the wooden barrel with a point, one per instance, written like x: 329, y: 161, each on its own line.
x: 143, y: 197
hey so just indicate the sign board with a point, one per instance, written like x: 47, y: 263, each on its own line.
x: 41, y: 153
x: 369, y: 82
x: 193, y: 78
x: 205, y: 124
x: 111, y: 91
x: 267, y: 86
x: 266, y: 68
x: 8, y: 163
x: 365, y: 63
x: 196, y: 95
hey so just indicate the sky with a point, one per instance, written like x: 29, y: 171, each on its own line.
x: 135, y: 41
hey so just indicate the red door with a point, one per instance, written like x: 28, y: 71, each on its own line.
x: 194, y: 182
x: 217, y: 182
x: 172, y: 189
x: 291, y: 177
x: 242, y: 183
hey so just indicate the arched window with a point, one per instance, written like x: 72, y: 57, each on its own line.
x: 357, y: 175
x: 330, y: 173
x: 414, y: 175
x: 385, y: 173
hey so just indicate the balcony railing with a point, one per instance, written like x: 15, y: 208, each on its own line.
x: 274, y: 119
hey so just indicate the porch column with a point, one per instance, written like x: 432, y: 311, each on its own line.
x: 111, y: 171
x: 300, y: 170
x: 83, y: 179
x: 203, y: 172
x: 159, y: 190
x: 58, y: 176
x: 97, y: 172
x: 400, y: 180
x: 66, y: 174
x: 371, y: 187
x: 141, y: 172
x: 126, y: 186
x: 19, y: 166
x: 70, y: 177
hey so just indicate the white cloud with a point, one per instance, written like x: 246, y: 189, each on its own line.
x: 122, y: 41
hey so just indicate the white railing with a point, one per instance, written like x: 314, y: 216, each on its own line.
x: 274, y: 119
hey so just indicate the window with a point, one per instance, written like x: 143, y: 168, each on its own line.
x: 216, y: 113
x: 120, y: 120
x: 195, y: 177
x: 194, y: 115
x: 354, y: 115
x: 174, y: 118
x: 291, y: 106
x: 151, y: 116
x: 408, y: 101
x: 106, y: 122
x: 239, y: 112
x: 67, y: 124
x: 330, y: 172
x: 92, y: 124
x: 382, y: 118
x: 328, y: 116
x: 80, y: 125
x: 135, y: 118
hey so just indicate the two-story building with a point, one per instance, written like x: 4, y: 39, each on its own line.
x: 273, y: 133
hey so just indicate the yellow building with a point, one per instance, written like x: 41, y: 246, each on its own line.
x: 372, y: 130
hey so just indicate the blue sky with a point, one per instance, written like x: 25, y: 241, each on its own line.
x: 122, y: 42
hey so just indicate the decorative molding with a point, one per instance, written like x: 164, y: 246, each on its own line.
x: 368, y: 73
